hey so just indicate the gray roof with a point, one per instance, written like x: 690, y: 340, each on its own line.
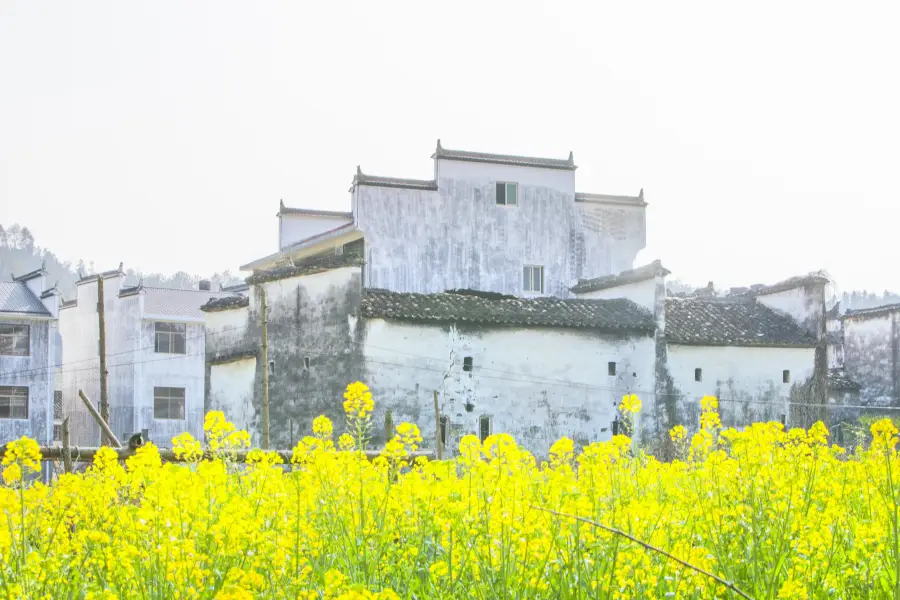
x: 16, y: 298
x: 868, y: 313
x: 312, y: 212
x: 642, y: 273
x: 31, y: 275
x: 165, y: 302
x: 612, y: 198
x: 394, y: 182
x: 464, y: 306
x: 225, y: 303
x: 810, y: 280
x: 505, y: 159
x: 309, y: 266
x: 840, y: 381
x: 730, y: 322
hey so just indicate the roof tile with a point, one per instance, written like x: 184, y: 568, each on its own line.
x: 16, y: 298
x: 307, y: 267
x: 642, y: 273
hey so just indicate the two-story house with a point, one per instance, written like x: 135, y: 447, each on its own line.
x: 155, y: 344
x: 28, y: 353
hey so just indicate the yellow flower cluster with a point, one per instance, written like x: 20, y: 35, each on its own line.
x: 782, y: 514
x: 358, y: 401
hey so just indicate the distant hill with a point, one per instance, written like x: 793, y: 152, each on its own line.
x: 20, y: 254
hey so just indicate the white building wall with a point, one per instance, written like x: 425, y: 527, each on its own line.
x: 805, y: 304
x: 642, y: 293
x: 293, y: 228
x: 537, y: 384
x: 562, y: 180
x: 231, y: 391
x: 872, y: 357
x: 34, y: 372
x: 746, y: 380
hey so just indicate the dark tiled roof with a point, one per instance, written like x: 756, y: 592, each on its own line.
x: 16, y: 298
x: 642, y: 273
x: 839, y: 380
x: 469, y: 307
x: 311, y: 212
x: 869, y: 313
x: 504, y: 159
x: 394, y: 182
x: 238, y: 287
x: 31, y: 275
x: 611, y: 198
x: 221, y: 359
x: 226, y: 303
x: 811, y: 279
x: 306, y: 267
x: 730, y: 322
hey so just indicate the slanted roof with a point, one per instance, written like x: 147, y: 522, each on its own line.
x: 17, y: 299
x: 619, y: 315
x: 310, y: 245
x: 31, y: 275
x: 308, y: 266
x: 105, y: 275
x: 231, y: 356
x: 225, y: 303
x: 871, y: 313
x: 611, y: 199
x: 838, y: 380
x: 394, y: 182
x: 642, y: 273
x: 731, y: 322
x: 177, y: 304
x: 811, y: 279
x: 505, y: 159
x: 312, y: 212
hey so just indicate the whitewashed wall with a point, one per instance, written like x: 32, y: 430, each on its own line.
x: 805, y: 304
x: 458, y: 237
x: 872, y: 356
x: 232, y: 386
x: 34, y: 372
x: 293, y: 228
x: 642, y: 293
x: 747, y: 380
x: 530, y: 381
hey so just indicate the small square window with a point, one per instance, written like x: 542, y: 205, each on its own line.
x: 168, y: 403
x: 14, y: 340
x: 13, y: 402
x: 611, y: 368
x: 467, y: 363
x: 786, y: 376
x: 698, y: 374
x: 533, y: 279
x: 170, y: 338
x: 507, y: 193
x: 485, y: 428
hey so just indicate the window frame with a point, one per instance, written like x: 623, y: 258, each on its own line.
x: 11, y: 332
x: 490, y: 427
x: 165, y: 330
x: 533, y: 269
x: 165, y: 393
x: 8, y: 392
x: 506, y: 186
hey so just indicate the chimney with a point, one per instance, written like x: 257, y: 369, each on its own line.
x: 204, y: 285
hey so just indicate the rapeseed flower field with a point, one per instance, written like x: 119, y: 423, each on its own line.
x: 774, y: 514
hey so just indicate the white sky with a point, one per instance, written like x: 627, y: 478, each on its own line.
x: 163, y: 133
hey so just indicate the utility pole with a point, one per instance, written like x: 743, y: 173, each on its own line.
x: 265, y: 368
x: 104, y: 391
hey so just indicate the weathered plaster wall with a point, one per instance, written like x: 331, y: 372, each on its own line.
x: 835, y: 331
x: 872, y: 357
x: 34, y: 372
x: 562, y: 180
x: 537, y: 384
x: 169, y: 370
x: 643, y: 293
x: 307, y: 319
x: 746, y: 380
x: 805, y: 304
x: 458, y: 237
x: 232, y: 387
x: 293, y: 228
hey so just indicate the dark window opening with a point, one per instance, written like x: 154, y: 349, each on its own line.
x: 445, y: 425
x: 14, y: 340
x: 611, y: 368
x: 13, y: 402
x: 484, y: 428
x: 168, y: 403
x: 271, y: 367
x: 57, y: 404
x: 698, y: 374
x: 467, y: 363
x: 786, y: 376
x: 507, y: 193
x: 170, y: 338
x: 306, y: 363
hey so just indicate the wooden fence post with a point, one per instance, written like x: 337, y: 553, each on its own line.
x: 67, y: 450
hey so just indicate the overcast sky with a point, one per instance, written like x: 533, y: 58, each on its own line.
x: 163, y: 133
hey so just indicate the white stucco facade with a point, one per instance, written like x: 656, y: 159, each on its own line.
x: 232, y: 390
x: 294, y: 227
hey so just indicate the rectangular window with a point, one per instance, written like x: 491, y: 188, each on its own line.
x: 168, y: 403
x: 467, y: 363
x: 507, y: 193
x: 14, y: 340
x: 533, y: 279
x: 698, y: 374
x: 611, y: 369
x: 785, y: 376
x: 445, y: 425
x: 485, y: 427
x: 13, y: 402
x: 170, y: 338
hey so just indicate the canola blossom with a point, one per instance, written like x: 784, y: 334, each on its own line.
x: 780, y: 514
